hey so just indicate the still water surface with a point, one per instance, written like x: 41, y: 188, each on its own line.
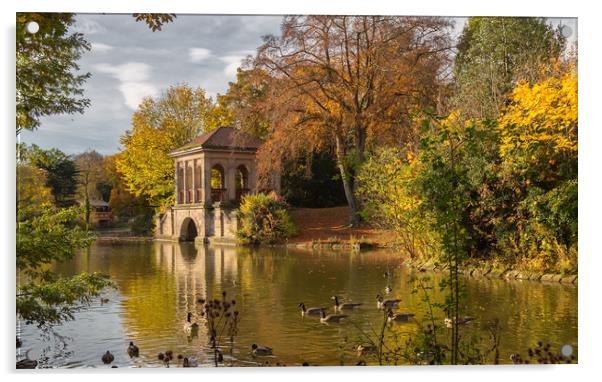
x: 158, y: 283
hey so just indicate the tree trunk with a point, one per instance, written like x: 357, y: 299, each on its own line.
x: 348, y: 184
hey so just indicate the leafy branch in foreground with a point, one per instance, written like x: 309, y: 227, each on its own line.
x: 46, y: 236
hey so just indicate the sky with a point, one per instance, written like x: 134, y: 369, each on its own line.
x: 128, y: 62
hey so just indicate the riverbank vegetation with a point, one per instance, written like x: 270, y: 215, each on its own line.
x: 264, y: 219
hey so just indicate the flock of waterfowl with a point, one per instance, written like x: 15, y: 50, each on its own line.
x: 191, y: 328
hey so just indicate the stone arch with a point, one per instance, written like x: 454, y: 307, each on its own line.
x: 189, y: 230
x: 218, y: 183
x: 241, y: 181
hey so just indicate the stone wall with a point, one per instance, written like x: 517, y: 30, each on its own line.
x: 210, y: 222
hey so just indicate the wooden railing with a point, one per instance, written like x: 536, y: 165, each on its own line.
x: 218, y: 195
x: 240, y: 192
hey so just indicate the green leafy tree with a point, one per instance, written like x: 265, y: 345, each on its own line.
x: 264, y: 220
x: 60, y: 169
x: 46, y: 234
x: 494, y: 53
x: 48, y: 82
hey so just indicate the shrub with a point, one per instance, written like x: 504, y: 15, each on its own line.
x: 264, y: 220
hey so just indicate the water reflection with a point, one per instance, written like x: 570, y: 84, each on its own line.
x: 158, y: 283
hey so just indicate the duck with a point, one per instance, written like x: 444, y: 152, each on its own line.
x: 189, y: 326
x: 27, y: 363
x: 133, y: 350
x: 389, y: 303
x: 399, y: 317
x: 260, y: 351
x: 190, y: 362
x: 107, y: 358
x: 344, y: 306
x: 310, y: 311
x: 336, y: 318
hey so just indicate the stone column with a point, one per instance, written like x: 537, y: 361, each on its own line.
x: 185, y: 201
x: 206, y: 181
x: 194, y: 198
x: 177, y: 181
x: 230, y: 181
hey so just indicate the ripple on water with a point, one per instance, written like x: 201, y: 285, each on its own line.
x: 158, y: 283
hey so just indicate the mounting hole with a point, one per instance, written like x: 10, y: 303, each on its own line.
x: 32, y: 27
x: 566, y: 350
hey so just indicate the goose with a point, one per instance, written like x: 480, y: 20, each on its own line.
x: 133, y: 350
x: 325, y: 319
x: 310, y: 311
x: 27, y: 363
x: 190, y: 362
x: 365, y: 349
x: 107, y: 358
x: 449, y: 322
x: 399, y: 317
x: 388, y: 289
x: 104, y: 300
x: 260, y: 351
x: 389, y: 303
x: 344, y: 306
x: 189, y: 326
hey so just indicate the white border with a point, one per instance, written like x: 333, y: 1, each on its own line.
x: 589, y: 168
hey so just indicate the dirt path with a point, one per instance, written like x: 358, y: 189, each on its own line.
x: 329, y: 223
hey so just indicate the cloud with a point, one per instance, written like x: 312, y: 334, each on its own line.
x: 198, y: 54
x: 87, y: 26
x: 234, y: 61
x: 100, y: 47
x: 134, y: 81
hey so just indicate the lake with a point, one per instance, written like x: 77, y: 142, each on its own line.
x: 157, y: 284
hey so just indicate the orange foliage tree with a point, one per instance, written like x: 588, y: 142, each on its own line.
x: 350, y: 82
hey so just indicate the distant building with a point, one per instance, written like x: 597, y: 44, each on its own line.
x: 101, y: 215
x: 212, y: 173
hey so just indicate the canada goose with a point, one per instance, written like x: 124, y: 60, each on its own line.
x: 399, y: 317
x: 260, y: 351
x: 365, y: 349
x: 388, y: 289
x: 133, y: 350
x: 389, y: 303
x: 325, y: 319
x: 27, y: 363
x: 344, y: 306
x: 107, y: 358
x: 310, y: 311
x: 190, y: 362
x: 449, y: 322
x: 189, y: 326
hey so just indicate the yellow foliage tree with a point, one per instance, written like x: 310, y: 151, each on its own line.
x: 538, y: 130
x: 159, y: 126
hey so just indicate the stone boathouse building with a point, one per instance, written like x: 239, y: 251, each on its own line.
x: 212, y: 173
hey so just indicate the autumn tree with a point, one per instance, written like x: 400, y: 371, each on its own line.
x: 160, y: 125
x: 347, y: 82
x: 494, y: 53
x: 89, y: 173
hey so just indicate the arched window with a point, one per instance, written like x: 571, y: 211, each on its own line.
x: 218, y: 191
x: 242, y: 182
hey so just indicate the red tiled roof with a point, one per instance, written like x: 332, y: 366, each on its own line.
x: 224, y: 138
